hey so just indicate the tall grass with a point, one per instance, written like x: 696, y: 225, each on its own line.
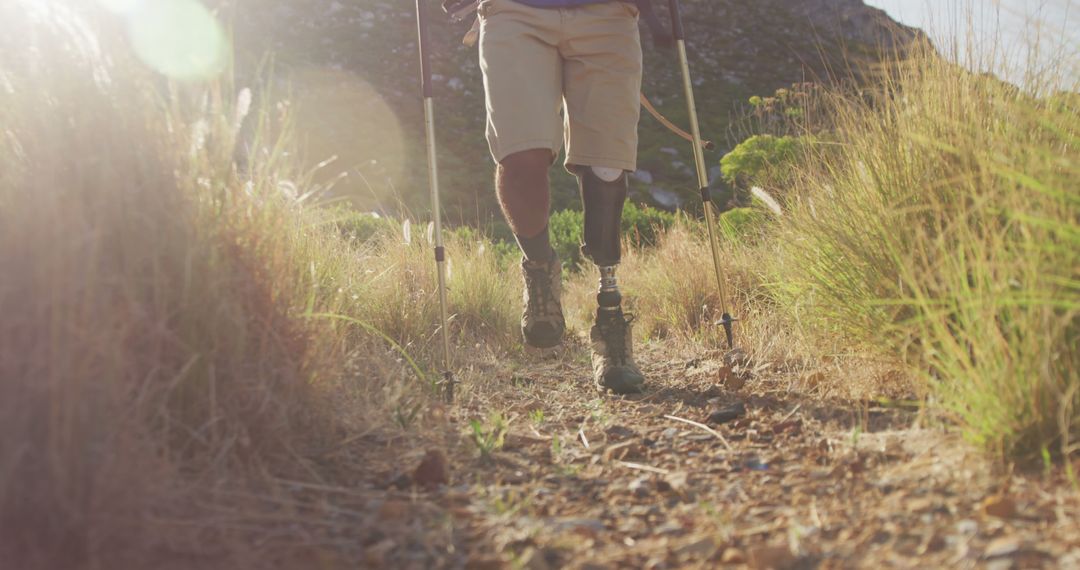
x: 937, y: 223
x: 670, y: 287
x: 174, y: 320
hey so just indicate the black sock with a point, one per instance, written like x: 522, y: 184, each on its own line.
x: 536, y: 248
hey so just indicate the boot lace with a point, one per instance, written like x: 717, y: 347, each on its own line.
x: 613, y: 329
x: 541, y: 294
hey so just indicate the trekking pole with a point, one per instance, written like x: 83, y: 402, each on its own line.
x: 433, y: 182
x: 699, y: 160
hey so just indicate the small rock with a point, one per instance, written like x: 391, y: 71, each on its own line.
x: 1000, y: 506
x: 393, y: 510
x: 771, y: 558
x: 639, y: 487
x: 813, y: 380
x: 522, y: 441
x: 669, y: 433
x: 433, y: 470
x: 670, y: 528
x: 619, y: 433
x: 586, y: 527
x: 644, y: 176
x: 733, y: 555
x: 967, y: 527
x: 1002, y: 546
x: 727, y: 414
x: 485, y: 562
x: 702, y: 549
x: 922, y: 504
x: 793, y: 427
x: 674, y: 481
x: 629, y: 449
x: 894, y: 448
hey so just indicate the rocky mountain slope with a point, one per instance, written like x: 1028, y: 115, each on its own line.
x: 351, y: 68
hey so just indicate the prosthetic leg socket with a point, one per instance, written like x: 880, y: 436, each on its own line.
x: 602, y: 201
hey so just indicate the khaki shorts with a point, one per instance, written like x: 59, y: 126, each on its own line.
x: 536, y: 61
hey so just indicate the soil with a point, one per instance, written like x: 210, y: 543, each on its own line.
x: 589, y: 481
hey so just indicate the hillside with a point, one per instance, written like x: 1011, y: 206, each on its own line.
x: 360, y: 58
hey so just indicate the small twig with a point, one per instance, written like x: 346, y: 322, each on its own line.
x: 584, y: 440
x: 641, y: 467
x: 791, y: 413
x: 704, y: 427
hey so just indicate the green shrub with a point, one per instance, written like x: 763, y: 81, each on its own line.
x: 361, y: 227
x: 504, y: 253
x: 757, y: 156
x: 566, y: 235
x: 641, y: 226
x: 739, y: 224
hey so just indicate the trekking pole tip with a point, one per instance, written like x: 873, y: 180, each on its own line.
x: 728, y: 322
x: 448, y: 382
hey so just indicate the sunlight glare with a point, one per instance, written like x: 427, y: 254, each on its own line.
x: 179, y: 38
x: 342, y: 116
x: 121, y: 7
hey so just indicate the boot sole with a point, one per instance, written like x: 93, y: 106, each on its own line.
x: 541, y: 344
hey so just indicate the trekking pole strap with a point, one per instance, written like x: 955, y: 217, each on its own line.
x: 707, y: 145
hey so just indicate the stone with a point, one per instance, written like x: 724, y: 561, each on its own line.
x: 771, y: 558
x: 433, y: 470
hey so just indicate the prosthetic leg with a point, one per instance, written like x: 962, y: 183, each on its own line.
x: 603, y: 192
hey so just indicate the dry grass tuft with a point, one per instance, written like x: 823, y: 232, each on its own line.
x: 177, y: 322
x: 936, y: 224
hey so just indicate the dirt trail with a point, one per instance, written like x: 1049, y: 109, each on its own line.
x: 796, y: 482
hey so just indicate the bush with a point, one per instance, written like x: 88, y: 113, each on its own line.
x: 942, y: 229
x: 740, y: 224
x: 360, y: 227
x: 757, y: 156
x: 641, y: 227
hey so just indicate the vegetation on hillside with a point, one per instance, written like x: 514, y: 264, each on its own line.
x: 934, y: 220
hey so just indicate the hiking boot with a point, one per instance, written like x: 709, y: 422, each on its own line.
x: 613, y: 354
x: 542, y: 322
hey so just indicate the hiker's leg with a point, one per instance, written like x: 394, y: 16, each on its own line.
x: 523, y: 86
x: 601, y: 84
x: 602, y: 68
x: 603, y: 192
x: 522, y: 184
